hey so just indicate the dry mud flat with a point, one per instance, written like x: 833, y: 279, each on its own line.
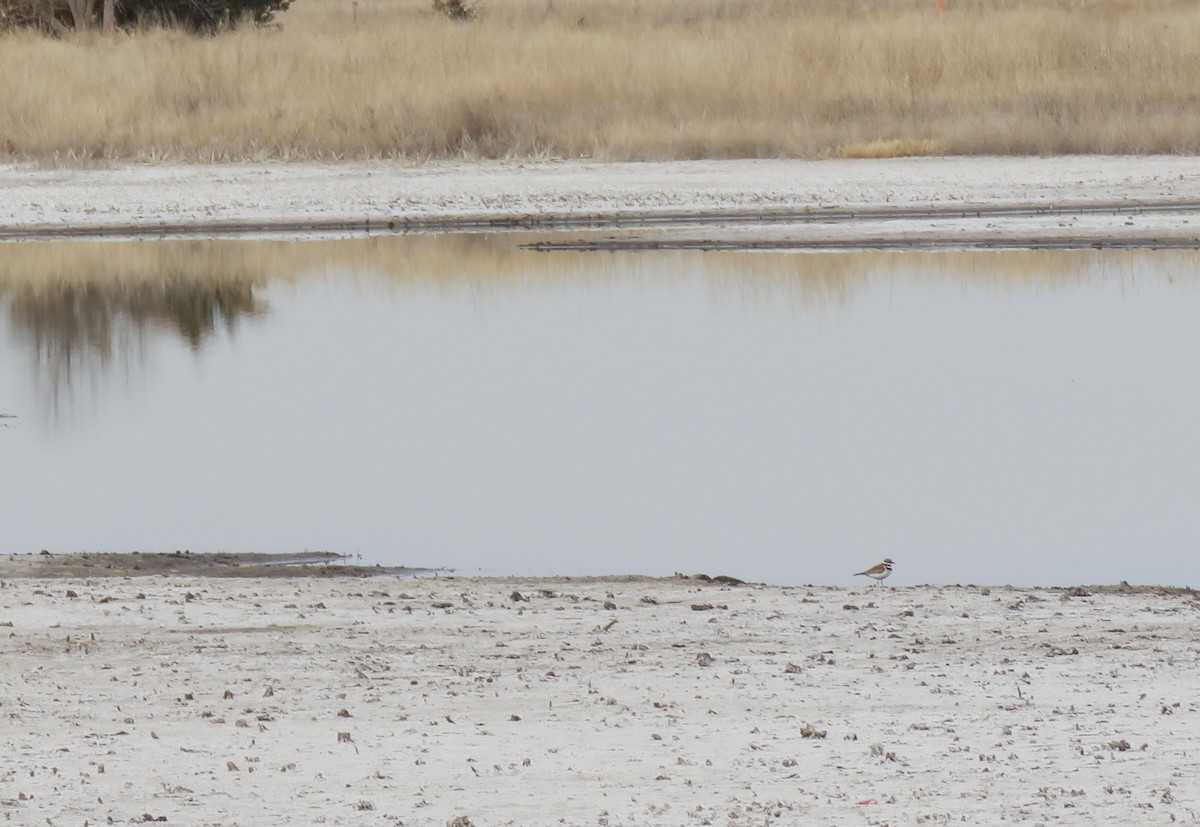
x: 990, y: 202
x: 622, y: 701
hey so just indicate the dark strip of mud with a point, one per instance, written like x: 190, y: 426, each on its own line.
x: 592, y: 220
x: 908, y: 242
x: 1125, y: 588
x: 137, y: 564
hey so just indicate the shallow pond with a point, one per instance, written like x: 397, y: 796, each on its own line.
x: 455, y: 401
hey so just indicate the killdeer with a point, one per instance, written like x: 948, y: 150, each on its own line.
x: 879, y: 572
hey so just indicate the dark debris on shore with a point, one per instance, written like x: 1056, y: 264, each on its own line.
x: 201, y: 564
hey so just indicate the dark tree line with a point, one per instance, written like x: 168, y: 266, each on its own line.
x: 196, y: 15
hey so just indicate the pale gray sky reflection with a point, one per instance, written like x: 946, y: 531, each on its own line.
x: 1024, y: 418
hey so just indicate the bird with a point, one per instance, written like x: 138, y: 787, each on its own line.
x: 878, y: 572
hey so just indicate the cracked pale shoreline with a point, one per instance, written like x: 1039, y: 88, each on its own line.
x: 581, y: 701
x: 1053, y: 201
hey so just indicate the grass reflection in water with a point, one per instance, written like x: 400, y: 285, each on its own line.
x: 82, y: 308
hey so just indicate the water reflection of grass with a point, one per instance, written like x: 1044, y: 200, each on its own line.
x: 71, y: 317
x: 79, y: 307
x: 74, y: 299
x: 194, y: 285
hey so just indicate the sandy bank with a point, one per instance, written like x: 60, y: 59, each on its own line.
x: 622, y: 701
x: 1073, y: 201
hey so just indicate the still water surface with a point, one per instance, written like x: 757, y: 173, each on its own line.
x: 1013, y: 417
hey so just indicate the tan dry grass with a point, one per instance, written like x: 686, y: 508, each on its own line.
x: 895, y: 148
x: 620, y: 79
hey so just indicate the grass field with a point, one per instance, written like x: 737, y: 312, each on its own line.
x: 620, y: 79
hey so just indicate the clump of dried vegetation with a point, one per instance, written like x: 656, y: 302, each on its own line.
x: 457, y: 9
x: 618, y: 79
